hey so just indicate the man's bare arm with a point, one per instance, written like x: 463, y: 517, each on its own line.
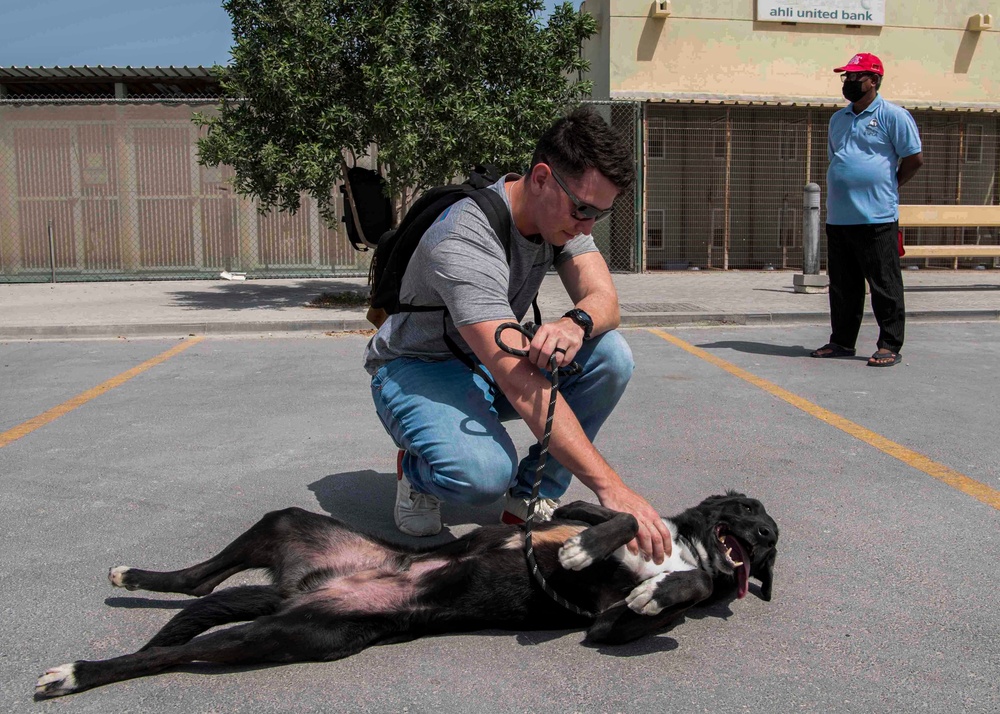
x: 528, y: 390
x: 908, y: 167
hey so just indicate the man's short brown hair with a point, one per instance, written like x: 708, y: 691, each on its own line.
x: 583, y: 140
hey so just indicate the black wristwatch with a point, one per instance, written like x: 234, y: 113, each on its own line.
x: 583, y: 320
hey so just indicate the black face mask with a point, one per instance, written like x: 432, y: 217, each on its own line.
x: 853, y: 91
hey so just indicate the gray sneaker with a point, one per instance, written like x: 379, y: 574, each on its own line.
x: 416, y: 514
x: 515, y: 510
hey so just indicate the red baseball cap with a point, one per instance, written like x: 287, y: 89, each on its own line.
x: 863, y: 62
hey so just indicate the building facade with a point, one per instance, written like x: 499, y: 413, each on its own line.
x: 737, y: 95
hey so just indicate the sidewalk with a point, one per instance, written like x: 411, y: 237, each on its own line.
x: 216, y: 307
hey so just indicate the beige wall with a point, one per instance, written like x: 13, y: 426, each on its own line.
x: 715, y: 49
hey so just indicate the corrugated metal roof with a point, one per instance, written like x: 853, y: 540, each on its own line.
x: 106, y: 73
x: 774, y: 101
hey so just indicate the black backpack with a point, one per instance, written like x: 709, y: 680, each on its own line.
x: 370, y: 205
x: 396, y: 247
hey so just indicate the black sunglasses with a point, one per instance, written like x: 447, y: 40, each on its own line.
x: 582, y: 211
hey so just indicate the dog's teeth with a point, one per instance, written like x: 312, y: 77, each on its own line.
x: 737, y: 563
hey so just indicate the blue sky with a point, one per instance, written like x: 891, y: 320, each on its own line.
x: 60, y: 33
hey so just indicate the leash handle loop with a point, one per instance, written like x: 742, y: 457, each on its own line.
x: 528, y: 329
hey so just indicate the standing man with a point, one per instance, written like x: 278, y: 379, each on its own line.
x: 445, y: 418
x: 874, y: 148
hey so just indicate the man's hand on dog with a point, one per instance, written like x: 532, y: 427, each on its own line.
x: 653, y: 539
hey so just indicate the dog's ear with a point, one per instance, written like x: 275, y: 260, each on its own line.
x: 765, y: 573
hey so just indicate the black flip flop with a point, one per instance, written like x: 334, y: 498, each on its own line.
x: 896, y: 358
x: 832, y: 350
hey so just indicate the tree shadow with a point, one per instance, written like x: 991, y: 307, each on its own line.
x: 253, y: 295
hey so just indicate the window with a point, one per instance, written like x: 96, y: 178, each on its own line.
x: 788, y: 140
x: 718, y: 228
x: 789, y: 227
x: 656, y: 220
x: 719, y: 141
x: 656, y: 141
x: 974, y: 143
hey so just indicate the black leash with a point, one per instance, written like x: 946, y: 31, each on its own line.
x: 528, y: 330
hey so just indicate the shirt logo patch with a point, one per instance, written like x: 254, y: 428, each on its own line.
x: 873, y: 123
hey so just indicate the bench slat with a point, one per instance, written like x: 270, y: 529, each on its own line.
x: 915, y: 216
x: 952, y: 251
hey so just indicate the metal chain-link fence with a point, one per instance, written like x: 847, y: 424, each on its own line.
x: 112, y: 190
x: 109, y: 191
x: 619, y: 238
x: 724, y: 182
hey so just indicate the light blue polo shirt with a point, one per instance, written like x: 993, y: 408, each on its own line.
x: 864, y: 151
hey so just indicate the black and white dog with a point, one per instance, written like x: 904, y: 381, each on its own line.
x: 336, y: 591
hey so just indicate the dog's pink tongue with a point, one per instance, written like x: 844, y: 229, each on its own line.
x: 742, y: 579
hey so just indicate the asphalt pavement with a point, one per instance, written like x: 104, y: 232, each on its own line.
x: 215, y: 307
x: 156, y: 452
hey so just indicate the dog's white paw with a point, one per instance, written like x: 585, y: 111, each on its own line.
x: 57, y: 681
x: 573, y: 556
x: 117, y: 575
x: 642, y: 599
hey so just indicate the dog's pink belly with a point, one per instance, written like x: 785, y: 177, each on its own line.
x: 372, y: 591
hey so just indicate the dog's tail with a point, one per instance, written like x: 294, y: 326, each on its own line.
x: 238, y: 604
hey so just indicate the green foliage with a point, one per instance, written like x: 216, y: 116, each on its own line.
x: 437, y: 85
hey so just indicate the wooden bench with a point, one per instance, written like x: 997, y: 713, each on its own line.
x: 949, y: 217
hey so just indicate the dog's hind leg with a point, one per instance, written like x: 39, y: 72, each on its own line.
x: 652, y: 605
x: 231, y: 605
x: 267, y: 544
x: 307, y: 633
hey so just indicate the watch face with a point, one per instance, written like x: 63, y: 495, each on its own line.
x: 582, y: 319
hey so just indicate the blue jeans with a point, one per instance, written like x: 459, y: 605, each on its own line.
x: 443, y: 415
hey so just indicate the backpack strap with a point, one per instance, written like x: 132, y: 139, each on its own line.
x: 492, y: 204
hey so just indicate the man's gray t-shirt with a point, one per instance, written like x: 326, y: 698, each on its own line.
x: 460, y: 263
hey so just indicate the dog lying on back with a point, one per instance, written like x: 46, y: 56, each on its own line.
x: 336, y: 591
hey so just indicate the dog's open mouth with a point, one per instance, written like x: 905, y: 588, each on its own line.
x: 736, y: 556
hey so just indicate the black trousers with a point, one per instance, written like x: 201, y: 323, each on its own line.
x: 856, y: 254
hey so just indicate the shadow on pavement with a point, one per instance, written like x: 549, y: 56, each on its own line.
x: 364, y: 500
x: 130, y: 603
x: 760, y: 348
x: 251, y: 295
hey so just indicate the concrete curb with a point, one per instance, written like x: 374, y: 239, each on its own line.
x: 184, y: 329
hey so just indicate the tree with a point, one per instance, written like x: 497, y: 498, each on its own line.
x: 437, y: 85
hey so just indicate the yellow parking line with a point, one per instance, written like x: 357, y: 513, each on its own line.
x: 909, y: 457
x: 55, y: 412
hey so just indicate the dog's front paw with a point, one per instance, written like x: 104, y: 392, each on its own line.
x: 642, y: 599
x: 118, y: 577
x: 56, y: 682
x: 573, y: 556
